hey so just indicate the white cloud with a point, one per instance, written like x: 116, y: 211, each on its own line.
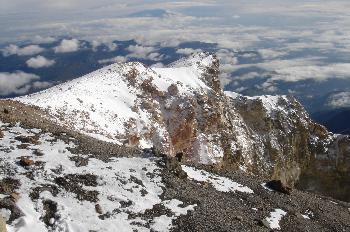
x: 117, y: 59
x: 227, y: 67
x: 43, y: 40
x: 155, y: 56
x: 269, y: 54
x: 294, y: 28
x: 227, y: 56
x: 139, y: 51
x: 112, y: 46
x: 249, y: 76
x: 41, y: 84
x: 339, y: 100
x: 106, y: 19
x: 95, y: 44
x: 67, y: 45
x: 24, y: 51
x: 228, y: 63
x: 313, y: 72
x: 20, y: 83
x: 225, y: 79
x: 39, y: 62
x: 268, y: 86
x: 16, y: 83
x: 295, y: 70
x: 144, y: 52
x: 158, y: 65
x: 241, y: 89
x: 187, y: 51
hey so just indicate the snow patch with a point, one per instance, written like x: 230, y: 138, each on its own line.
x: 275, y: 218
x: 264, y: 185
x: 220, y: 183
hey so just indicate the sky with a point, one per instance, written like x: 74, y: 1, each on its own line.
x: 300, y: 40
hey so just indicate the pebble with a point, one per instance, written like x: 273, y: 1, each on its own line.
x: 52, y: 221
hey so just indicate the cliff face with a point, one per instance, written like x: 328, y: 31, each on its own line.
x: 288, y: 145
x: 328, y: 169
x: 182, y: 109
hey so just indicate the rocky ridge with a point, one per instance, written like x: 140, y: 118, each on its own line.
x: 183, y: 109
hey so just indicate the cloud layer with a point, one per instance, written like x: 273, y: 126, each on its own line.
x: 291, y: 41
x: 144, y: 52
x: 117, y: 59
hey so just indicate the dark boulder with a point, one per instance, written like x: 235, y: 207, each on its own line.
x: 279, y: 186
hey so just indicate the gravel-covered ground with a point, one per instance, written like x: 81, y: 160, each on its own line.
x: 215, y: 209
x: 221, y: 211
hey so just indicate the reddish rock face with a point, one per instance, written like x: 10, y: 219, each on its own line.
x: 181, y: 139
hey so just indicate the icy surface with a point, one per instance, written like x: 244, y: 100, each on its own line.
x: 220, y: 183
x: 125, y: 187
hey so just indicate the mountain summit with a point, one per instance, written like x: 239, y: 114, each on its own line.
x: 181, y: 109
x: 136, y: 147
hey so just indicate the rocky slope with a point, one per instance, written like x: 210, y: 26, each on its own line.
x: 59, y: 182
x: 134, y: 148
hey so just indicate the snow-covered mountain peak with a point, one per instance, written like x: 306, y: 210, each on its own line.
x: 197, y: 60
x: 123, y: 100
x: 183, y: 109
